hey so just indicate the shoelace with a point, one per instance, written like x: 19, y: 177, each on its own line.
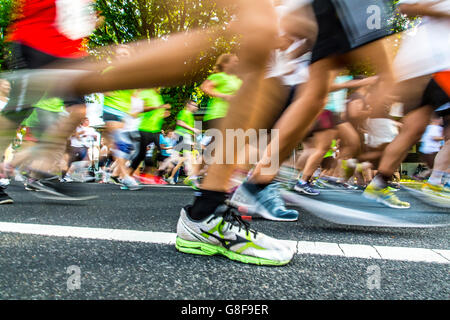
x: 235, y: 220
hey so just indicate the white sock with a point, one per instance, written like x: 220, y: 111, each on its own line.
x: 436, y: 177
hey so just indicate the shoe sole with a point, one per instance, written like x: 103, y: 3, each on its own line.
x: 7, y: 201
x: 205, y: 249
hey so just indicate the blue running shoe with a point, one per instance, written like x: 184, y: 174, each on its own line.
x: 305, y: 188
x: 269, y: 204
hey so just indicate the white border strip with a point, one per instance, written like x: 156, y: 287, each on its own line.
x: 302, y: 247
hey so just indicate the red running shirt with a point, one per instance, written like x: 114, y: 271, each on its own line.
x: 34, y: 25
x: 443, y: 79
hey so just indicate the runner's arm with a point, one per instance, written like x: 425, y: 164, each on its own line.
x: 186, y: 126
x: 353, y: 84
x: 150, y: 108
x: 209, y: 87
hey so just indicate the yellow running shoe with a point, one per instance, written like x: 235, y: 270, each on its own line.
x: 385, y: 196
x: 436, y: 190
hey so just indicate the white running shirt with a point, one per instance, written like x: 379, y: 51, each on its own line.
x: 425, y: 49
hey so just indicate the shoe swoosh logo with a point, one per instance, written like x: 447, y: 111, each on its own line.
x: 228, y: 243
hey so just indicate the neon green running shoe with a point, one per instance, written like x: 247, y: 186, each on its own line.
x: 385, y: 196
x: 225, y: 233
x: 193, y: 183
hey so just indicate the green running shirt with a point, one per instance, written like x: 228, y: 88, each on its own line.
x: 225, y: 84
x: 188, y: 118
x: 119, y: 99
x: 151, y: 121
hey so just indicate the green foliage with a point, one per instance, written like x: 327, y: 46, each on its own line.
x: 131, y: 20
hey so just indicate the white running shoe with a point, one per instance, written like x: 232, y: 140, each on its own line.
x: 225, y: 233
x: 128, y: 183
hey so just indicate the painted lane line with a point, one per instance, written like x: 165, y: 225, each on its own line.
x: 302, y: 247
x: 89, y: 233
x: 321, y: 248
x: 410, y: 254
x: 443, y: 253
x: 359, y: 251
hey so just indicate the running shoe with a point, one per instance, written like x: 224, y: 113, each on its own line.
x: 19, y: 177
x: 385, y: 196
x: 53, y: 189
x: 447, y: 187
x: 436, y: 190
x: 192, y: 182
x: 170, y: 181
x: 225, y: 233
x: 394, y: 186
x: 4, y: 182
x: 266, y: 203
x: 67, y: 178
x: 318, y: 183
x: 4, y: 198
x: 128, y: 183
x: 28, y: 184
x: 115, y: 180
x: 305, y: 188
x: 350, y: 186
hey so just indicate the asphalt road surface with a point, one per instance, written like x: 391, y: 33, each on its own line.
x: 122, y: 248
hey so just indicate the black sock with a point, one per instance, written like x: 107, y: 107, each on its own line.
x: 205, y: 203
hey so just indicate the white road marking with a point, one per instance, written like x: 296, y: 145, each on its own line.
x: 303, y: 247
x: 444, y: 253
x: 359, y: 251
x: 410, y: 254
x: 321, y: 248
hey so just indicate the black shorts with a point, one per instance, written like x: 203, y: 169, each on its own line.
x: 25, y: 57
x: 332, y: 38
x: 433, y: 96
